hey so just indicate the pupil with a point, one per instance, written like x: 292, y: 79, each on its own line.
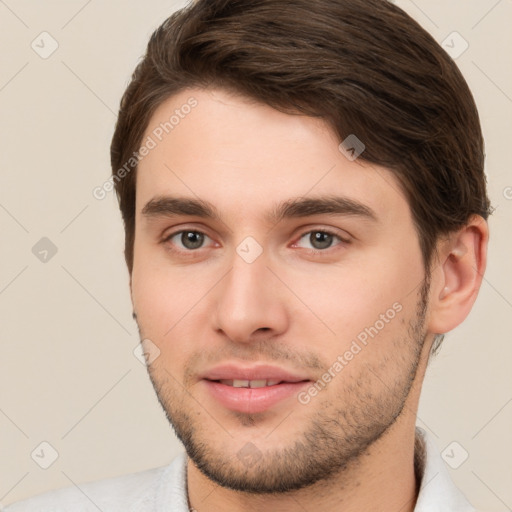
x: 320, y: 240
x: 192, y: 239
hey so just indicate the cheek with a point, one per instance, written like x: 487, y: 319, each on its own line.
x: 370, y: 302
x: 158, y: 302
x: 346, y: 298
x: 161, y: 316
x: 166, y: 298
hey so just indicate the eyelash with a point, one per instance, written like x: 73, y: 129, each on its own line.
x: 342, y: 241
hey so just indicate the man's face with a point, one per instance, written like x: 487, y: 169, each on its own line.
x: 323, y: 295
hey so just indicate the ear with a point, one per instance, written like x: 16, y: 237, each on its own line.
x: 456, y: 280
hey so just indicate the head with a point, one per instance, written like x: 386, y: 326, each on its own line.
x: 236, y: 129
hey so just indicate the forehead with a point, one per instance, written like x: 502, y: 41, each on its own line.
x: 243, y: 157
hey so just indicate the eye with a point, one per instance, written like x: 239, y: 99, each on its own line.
x: 189, y: 239
x: 320, y: 240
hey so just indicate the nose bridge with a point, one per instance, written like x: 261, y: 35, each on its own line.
x: 247, y: 300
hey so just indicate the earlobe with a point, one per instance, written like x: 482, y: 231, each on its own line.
x: 457, y: 279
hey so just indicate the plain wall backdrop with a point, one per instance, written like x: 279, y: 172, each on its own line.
x: 68, y: 374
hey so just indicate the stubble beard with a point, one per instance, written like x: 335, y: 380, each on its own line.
x: 335, y: 438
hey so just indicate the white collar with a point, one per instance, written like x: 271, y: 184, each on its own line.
x: 437, y: 492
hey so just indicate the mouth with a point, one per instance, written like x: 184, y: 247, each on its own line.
x: 253, y: 396
x: 253, y: 388
x: 253, y: 384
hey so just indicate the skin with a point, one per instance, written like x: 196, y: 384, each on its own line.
x: 352, y: 445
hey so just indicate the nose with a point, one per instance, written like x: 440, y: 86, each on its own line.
x: 250, y: 302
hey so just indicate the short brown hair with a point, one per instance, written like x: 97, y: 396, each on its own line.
x: 364, y: 66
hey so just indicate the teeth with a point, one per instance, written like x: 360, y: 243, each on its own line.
x: 237, y: 383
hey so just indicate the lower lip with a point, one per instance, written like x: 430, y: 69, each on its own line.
x: 253, y: 400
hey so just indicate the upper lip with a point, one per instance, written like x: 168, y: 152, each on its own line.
x: 233, y: 371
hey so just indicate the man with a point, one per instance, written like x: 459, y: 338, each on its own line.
x: 304, y: 201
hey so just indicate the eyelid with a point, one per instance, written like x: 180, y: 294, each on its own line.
x: 320, y: 229
x: 345, y: 238
x: 170, y: 232
x: 167, y: 238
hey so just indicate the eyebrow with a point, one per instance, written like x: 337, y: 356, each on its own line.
x: 167, y: 206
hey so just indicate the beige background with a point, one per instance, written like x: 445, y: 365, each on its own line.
x: 68, y: 375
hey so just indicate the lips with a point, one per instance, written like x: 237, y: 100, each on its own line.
x: 268, y: 373
x: 252, y: 389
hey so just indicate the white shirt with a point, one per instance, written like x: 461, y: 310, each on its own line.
x: 164, y: 489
